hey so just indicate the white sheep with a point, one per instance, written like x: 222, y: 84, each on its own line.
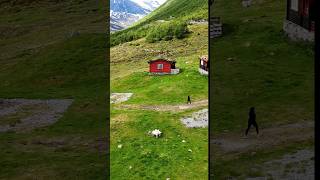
x: 157, y: 133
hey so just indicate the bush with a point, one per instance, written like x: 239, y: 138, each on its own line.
x: 156, y: 32
x: 167, y: 31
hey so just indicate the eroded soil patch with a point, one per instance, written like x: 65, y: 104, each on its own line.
x: 26, y: 114
x: 120, y: 97
x: 269, y: 137
x: 198, y: 119
x: 173, y: 108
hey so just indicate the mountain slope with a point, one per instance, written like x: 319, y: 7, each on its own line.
x: 55, y: 49
x: 255, y: 64
x: 180, y: 152
x: 123, y: 13
x: 175, y: 10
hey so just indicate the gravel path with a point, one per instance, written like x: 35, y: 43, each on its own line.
x: 173, y: 108
x: 274, y: 136
x: 30, y: 113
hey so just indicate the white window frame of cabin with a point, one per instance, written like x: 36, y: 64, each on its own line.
x: 159, y: 66
x: 294, y: 5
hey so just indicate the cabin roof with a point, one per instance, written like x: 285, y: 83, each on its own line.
x: 162, y: 59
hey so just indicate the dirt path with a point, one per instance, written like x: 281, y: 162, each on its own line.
x: 269, y: 137
x: 173, y: 108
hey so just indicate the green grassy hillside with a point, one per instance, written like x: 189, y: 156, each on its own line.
x: 173, y: 10
x: 180, y: 153
x: 167, y: 156
x: 192, y: 9
x: 55, y: 49
x: 255, y: 64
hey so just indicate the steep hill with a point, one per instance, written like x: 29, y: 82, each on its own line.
x: 55, y: 49
x: 180, y: 152
x: 124, y: 13
x: 255, y: 64
x: 173, y: 10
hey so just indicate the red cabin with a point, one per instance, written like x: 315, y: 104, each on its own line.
x: 162, y: 66
x: 299, y: 23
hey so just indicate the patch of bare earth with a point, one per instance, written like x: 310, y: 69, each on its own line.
x: 120, y: 97
x: 173, y: 108
x: 22, y: 115
x: 268, y: 138
x: 198, y: 119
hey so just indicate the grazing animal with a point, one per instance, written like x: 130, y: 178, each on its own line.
x: 157, y: 133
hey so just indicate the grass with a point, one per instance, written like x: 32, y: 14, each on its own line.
x: 152, y: 158
x: 130, y: 72
x: 268, y: 71
x: 168, y: 89
x: 173, y: 10
x: 43, y: 60
x: 248, y: 165
x: 273, y: 74
x: 142, y: 156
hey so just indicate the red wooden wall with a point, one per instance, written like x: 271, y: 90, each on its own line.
x: 166, y: 66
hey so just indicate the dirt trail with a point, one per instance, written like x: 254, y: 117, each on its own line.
x: 173, y: 108
x: 269, y: 137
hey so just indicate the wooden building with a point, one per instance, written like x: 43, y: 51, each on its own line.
x: 300, y: 21
x: 204, y: 65
x: 215, y: 27
x: 162, y: 66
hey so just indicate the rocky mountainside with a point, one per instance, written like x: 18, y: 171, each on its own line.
x: 123, y: 13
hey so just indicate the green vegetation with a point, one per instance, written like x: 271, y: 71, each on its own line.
x: 255, y: 64
x: 56, y: 50
x: 143, y: 156
x: 171, y: 89
x: 167, y: 31
x: 248, y: 165
x: 180, y: 153
x: 172, y: 10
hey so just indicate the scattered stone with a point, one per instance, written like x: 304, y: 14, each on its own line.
x: 189, y: 150
x: 247, y: 20
x: 230, y: 59
x: 120, y: 146
x: 74, y: 33
x: 247, y: 44
x: 246, y: 3
x: 183, y: 141
x: 198, y: 119
x: 120, y: 97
